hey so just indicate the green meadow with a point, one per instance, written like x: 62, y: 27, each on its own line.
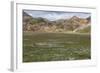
x: 39, y: 47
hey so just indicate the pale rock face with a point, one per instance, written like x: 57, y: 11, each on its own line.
x: 73, y: 24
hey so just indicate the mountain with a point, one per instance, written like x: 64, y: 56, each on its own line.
x: 75, y: 18
x: 86, y: 29
x: 39, y: 24
x: 89, y: 19
x: 25, y: 14
x: 26, y: 17
x: 26, y: 20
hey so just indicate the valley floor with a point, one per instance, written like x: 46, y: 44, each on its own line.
x: 56, y: 46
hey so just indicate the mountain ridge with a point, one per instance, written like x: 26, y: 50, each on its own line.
x: 40, y: 24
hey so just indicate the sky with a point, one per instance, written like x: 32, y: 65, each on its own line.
x: 55, y: 15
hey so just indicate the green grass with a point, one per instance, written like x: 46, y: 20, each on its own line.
x: 55, y: 46
x: 85, y: 30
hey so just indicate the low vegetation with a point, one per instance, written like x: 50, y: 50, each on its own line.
x: 55, y: 46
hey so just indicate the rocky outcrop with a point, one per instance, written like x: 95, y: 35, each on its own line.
x: 39, y: 24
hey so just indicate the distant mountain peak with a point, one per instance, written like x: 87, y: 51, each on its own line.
x: 75, y: 17
x: 89, y: 18
x: 25, y: 14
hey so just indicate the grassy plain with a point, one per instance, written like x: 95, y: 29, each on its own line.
x: 55, y: 46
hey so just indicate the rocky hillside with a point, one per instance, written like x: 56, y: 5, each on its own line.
x: 74, y: 24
